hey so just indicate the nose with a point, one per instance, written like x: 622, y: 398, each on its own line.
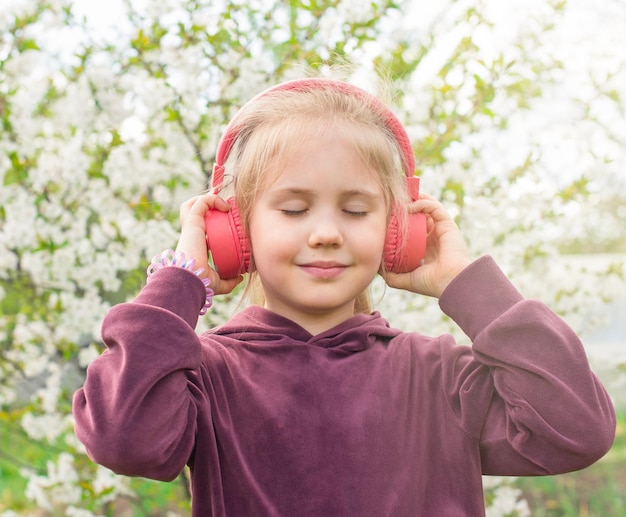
x: 325, y: 231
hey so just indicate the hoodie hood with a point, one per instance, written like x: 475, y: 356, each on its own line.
x: 259, y: 325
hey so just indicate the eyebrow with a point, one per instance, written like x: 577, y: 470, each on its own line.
x: 345, y: 193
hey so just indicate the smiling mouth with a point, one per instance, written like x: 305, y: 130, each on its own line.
x: 325, y: 270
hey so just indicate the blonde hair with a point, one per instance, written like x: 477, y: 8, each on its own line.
x: 273, y: 126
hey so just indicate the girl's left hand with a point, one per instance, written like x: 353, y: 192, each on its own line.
x: 446, y: 252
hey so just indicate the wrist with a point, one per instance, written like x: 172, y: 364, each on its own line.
x: 178, y: 259
x: 451, y: 274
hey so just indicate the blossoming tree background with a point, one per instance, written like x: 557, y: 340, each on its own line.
x: 104, y: 130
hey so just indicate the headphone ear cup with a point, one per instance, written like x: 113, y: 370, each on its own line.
x: 227, y: 241
x: 405, y: 250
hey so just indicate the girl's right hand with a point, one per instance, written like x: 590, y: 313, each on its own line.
x: 192, y: 240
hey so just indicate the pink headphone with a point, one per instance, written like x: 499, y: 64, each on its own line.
x: 227, y: 241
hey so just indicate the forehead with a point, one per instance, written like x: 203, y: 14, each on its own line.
x: 309, y: 145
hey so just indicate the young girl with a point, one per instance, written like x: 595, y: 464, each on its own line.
x: 308, y: 404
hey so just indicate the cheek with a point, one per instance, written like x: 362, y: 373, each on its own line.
x: 268, y: 240
x: 370, y: 244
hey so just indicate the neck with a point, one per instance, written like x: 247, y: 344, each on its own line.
x: 314, y: 323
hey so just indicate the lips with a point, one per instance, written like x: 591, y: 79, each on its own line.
x: 324, y: 270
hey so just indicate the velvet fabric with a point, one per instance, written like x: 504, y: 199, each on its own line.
x: 362, y: 420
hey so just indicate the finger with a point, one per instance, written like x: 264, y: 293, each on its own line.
x: 426, y: 196
x: 431, y: 207
x: 209, y: 202
x: 225, y: 286
x: 197, y: 206
x: 185, y: 207
x: 397, y: 280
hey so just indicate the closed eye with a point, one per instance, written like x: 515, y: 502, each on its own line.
x: 293, y: 213
x: 356, y: 213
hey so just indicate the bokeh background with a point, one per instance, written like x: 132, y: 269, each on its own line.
x: 110, y: 114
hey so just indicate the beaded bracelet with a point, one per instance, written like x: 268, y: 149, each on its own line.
x: 170, y: 258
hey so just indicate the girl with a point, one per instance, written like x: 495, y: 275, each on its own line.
x: 307, y: 403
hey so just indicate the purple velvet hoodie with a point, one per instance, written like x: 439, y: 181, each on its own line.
x: 359, y: 421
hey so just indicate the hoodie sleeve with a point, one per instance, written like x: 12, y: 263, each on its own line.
x: 548, y: 413
x: 136, y: 412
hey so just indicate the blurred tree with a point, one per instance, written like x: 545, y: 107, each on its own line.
x: 105, y: 132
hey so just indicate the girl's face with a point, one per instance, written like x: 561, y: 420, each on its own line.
x: 317, y: 233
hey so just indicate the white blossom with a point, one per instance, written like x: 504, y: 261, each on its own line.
x: 72, y: 511
x: 57, y: 486
x: 87, y: 355
x: 99, y: 150
x: 109, y: 485
x: 507, y: 501
x: 45, y: 427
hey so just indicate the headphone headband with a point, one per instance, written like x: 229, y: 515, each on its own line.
x: 392, y: 122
